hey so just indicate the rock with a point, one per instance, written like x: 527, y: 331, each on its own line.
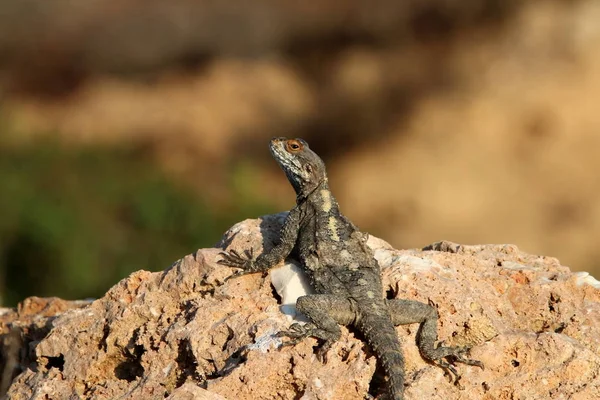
x: 188, y: 333
x: 191, y: 391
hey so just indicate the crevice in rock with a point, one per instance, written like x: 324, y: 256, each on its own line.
x: 390, y: 293
x: 55, y: 362
x: 553, y: 301
x: 103, y: 345
x: 230, y: 336
x: 189, y: 310
x: 154, y: 343
x: 299, y: 394
x: 235, y: 360
x: 276, y: 295
x: 131, y: 369
x: 186, y: 363
x: 300, y: 389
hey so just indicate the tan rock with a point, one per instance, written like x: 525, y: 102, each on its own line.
x: 187, y: 333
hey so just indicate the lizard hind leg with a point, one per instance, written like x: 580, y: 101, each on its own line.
x: 408, y: 312
x: 326, y: 313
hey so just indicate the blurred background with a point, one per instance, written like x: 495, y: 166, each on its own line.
x: 134, y: 132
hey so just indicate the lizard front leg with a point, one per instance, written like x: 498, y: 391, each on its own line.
x: 326, y: 313
x: 405, y: 312
x: 265, y: 261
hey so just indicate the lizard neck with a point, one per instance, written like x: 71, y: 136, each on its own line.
x: 321, y: 199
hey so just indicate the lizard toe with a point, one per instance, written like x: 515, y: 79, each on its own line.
x: 449, y: 370
x: 296, y: 331
x: 457, y: 356
x: 234, y: 259
x: 323, y: 350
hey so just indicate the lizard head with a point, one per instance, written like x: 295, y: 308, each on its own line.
x: 303, y: 167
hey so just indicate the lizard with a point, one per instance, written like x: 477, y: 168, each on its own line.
x: 344, y: 274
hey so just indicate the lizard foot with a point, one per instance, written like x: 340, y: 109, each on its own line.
x: 298, y: 332
x: 234, y: 259
x: 453, y: 355
x: 323, y: 349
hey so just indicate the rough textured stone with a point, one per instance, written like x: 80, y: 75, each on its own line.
x: 186, y: 333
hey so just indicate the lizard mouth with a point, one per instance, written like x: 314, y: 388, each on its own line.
x: 277, y: 147
x: 277, y: 143
x: 289, y: 162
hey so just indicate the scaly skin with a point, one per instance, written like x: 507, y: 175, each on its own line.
x: 344, y: 274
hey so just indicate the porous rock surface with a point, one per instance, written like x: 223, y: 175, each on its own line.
x: 186, y: 333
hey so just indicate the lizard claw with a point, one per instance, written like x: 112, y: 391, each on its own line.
x: 297, y: 332
x: 458, y: 357
x: 452, y: 356
x: 323, y: 350
x: 234, y: 259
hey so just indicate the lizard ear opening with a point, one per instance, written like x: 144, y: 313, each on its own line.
x: 308, y: 168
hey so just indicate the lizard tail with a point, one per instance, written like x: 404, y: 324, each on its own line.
x: 382, y: 337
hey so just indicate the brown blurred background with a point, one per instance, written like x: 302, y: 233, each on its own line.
x: 135, y: 131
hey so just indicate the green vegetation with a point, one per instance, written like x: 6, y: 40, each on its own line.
x: 73, y: 222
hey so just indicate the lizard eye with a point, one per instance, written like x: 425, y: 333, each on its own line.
x: 294, y: 146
